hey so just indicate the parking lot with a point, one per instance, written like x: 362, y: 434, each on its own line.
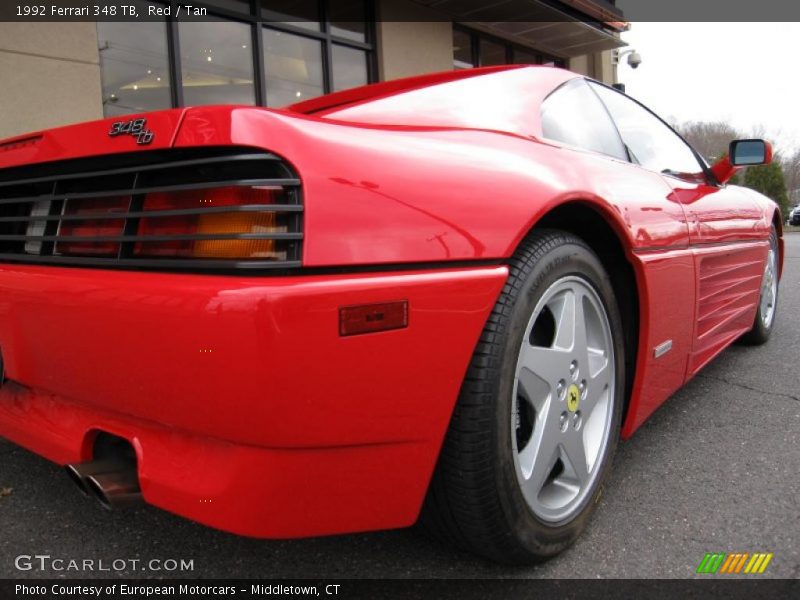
x: 714, y: 470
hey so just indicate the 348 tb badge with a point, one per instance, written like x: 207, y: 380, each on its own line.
x: 134, y: 127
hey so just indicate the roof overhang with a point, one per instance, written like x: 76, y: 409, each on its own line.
x: 565, y: 28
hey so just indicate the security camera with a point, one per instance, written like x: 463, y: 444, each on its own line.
x: 634, y: 60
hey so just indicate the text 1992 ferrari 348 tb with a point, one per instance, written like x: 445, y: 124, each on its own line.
x: 440, y: 299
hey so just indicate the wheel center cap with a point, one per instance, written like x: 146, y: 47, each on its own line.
x: 573, y: 398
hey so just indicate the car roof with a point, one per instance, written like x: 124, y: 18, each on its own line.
x: 492, y: 98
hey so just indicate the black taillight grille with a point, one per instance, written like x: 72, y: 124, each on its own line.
x: 110, y: 211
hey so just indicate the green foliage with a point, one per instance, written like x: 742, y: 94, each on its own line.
x: 769, y: 180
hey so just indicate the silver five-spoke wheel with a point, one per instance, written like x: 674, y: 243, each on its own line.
x: 563, y: 394
x: 769, y: 288
x: 767, y: 306
x: 532, y: 438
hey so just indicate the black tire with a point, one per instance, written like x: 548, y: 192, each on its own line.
x: 474, y: 500
x: 761, y: 331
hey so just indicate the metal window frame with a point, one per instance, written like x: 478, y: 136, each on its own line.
x: 257, y: 25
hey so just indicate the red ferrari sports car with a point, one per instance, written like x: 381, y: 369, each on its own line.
x: 442, y: 299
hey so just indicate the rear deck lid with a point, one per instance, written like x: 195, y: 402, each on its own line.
x: 130, y: 133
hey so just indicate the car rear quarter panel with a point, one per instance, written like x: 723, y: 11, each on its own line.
x: 395, y: 195
x: 378, y: 195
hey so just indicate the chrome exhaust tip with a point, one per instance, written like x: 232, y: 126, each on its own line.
x: 76, y: 477
x: 80, y: 472
x: 113, y: 482
x: 115, y: 489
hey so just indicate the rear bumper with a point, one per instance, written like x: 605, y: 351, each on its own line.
x: 247, y: 410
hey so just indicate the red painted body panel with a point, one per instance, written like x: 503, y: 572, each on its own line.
x: 729, y: 229
x: 243, y: 489
x: 666, y: 293
x: 246, y: 380
x: 720, y: 214
x: 250, y: 368
x: 723, y: 170
x: 503, y: 184
x: 239, y: 340
x: 728, y: 286
x: 88, y: 139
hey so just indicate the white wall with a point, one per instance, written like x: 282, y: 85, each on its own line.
x: 49, y: 74
x: 413, y: 46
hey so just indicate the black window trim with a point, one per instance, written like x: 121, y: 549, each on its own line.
x: 709, y: 175
x: 631, y: 157
x: 586, y: 80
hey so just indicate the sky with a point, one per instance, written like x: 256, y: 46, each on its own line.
x: 743, y: 73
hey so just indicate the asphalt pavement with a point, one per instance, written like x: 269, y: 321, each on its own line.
x: 714, y: 470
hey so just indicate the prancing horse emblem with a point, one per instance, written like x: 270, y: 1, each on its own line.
x: 573, y: 398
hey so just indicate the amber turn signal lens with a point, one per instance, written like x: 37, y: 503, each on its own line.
x: 223, y: 223
x: 241, y: 233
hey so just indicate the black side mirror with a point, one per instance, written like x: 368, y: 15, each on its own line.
x: 744, y: 153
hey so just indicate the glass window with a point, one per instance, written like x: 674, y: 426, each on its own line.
x: 310, y: 47
x: 554, y: 62
x: 650, y: 142
x: 349, y: 68
x: 293, y: 65
x: 134, y: 67
x: 492, y: 53
x: 348, y: 19
x: 462, y: 49
x: 526, y: 57
x: 216, y: 62
x: 574, y: 115
x: 300, y: 13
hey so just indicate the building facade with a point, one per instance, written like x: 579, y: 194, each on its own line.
x: 277, y: 52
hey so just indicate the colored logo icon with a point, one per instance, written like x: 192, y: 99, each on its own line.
x: 736, y: 563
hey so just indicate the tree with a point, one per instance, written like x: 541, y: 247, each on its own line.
x: 769, y: 180
x: 791, y: 171
x: 711, y: 140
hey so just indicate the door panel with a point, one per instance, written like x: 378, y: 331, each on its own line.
x: 718, y: 214
x: 727, y: 234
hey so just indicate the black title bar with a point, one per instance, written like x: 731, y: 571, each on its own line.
x: 458, y: 11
